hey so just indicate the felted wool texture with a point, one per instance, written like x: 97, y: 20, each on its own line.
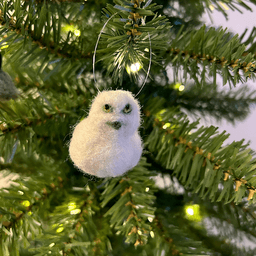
x: 7, y: 89
x: 100, y: 149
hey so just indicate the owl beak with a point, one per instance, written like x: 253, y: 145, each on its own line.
x: 116, y: 125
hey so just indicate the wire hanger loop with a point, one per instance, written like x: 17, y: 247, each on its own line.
x: 95, y: 50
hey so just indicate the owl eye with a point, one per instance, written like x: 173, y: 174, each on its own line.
x: 127, y: 109
x: 107, y: 108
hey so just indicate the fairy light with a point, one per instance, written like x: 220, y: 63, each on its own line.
x: 59, y: 230
x: 71, y: 206
x: 135, y: 67
x: 178, y: 86
x: 166, y: 125
x: 26, y: 203
x: 181, y: 88
x: 192, y: 212
x: 77, y: 32
x: 73, y: 29
x: 76, y: 211
x: 69, y: 28
x: 158, y: 115
x: 150, y: 219
x: 4, y: 46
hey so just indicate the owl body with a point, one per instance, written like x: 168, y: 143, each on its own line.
x: 107, y: 142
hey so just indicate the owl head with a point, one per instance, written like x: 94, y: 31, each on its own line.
x: 117, y: 111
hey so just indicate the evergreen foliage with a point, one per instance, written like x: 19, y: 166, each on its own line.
x: 52, y: 208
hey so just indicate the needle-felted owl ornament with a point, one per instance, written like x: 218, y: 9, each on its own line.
x: 107, y: 142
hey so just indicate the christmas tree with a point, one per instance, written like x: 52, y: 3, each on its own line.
x: 59, y: 54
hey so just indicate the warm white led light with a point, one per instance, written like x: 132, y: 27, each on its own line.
x: 135, y: 67
x: 166, y: 125
x: 190, y: 211
x: 76, y: 211
x: 77, y: 32
x: 150, y: 219
x: 181, y: 88
x: 60, y: 229
x: 71, y: 206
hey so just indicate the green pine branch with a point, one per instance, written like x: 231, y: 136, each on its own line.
x: 200, y: 161
x: 175, y: 231
x: 207, y: 101
x: 240, y: 216
x: 198, y: 227
x: 129, y: 37
x: 41, y: 27
x: 132, y: 212
x: 166, y: 242
x: 74, y: 226
x: 215, y: 51
x: 229, y: 220
x: 216, y: 243
x: 47, y: 45
x: 249, y: 42
x: 21, y: 208
x: 27, y: 117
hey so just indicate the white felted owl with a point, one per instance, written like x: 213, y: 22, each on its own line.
x: 107, y: 142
